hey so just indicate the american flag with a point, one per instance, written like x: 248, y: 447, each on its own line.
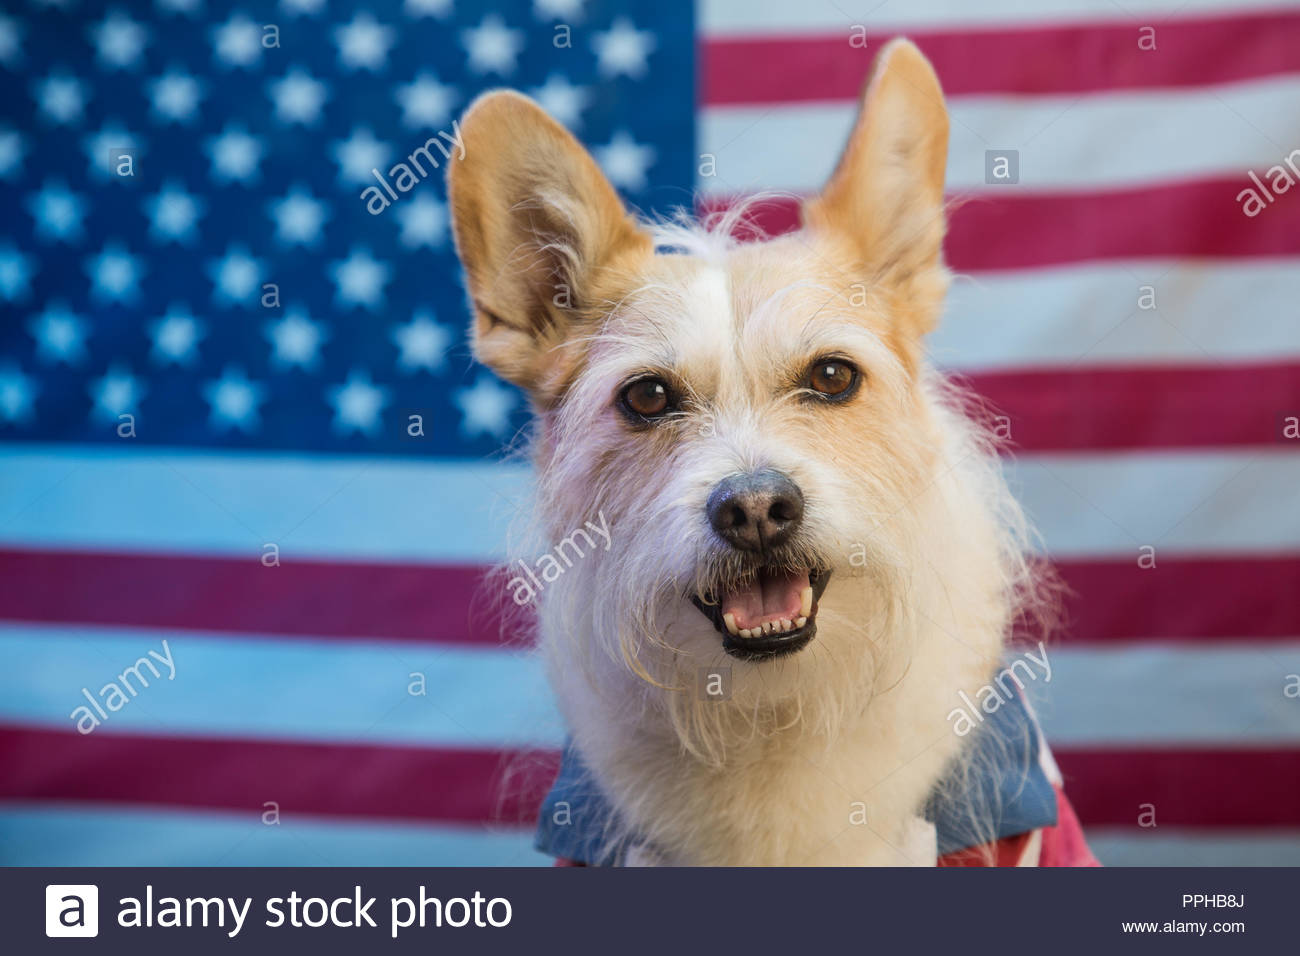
x: 250, y: 478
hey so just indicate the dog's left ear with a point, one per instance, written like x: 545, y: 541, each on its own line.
x: 886, y: 194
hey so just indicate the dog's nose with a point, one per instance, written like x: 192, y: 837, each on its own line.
x: 755, y: 511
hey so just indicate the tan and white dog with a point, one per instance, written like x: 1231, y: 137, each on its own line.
x: 798, y: 506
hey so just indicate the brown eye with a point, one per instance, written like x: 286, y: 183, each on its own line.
x: 834, y: 378
x: 647, y: 398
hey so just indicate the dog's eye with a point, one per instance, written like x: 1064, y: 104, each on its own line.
x: 647, y: 398
x: 834, y: 378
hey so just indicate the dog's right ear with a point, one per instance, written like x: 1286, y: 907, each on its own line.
x: 535, y: 220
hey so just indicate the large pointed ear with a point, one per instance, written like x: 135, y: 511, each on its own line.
x: 886, y: 194
x: 536, y: 223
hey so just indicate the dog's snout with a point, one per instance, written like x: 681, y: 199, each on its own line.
x: 757, y: 510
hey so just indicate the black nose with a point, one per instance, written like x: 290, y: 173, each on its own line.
x: 755, y: 511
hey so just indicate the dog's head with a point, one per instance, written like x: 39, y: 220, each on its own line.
x: 748, y: 418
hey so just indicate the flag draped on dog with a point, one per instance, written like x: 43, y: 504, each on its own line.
x: 1019, y: 783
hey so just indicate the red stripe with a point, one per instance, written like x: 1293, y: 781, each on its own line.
x: 1187, y: 599
x: 1182, y: 599
x: 366, y: 780
x: 1183, y: 787
x: 1015, y: 229
x: 433, y: 603
x: 1062, y: 59
x: 1191, y: 787
x: 1144, y: 408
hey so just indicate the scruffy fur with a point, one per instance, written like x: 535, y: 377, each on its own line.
x: 905, y: 501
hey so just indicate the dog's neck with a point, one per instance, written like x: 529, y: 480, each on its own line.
x: 826, y: 758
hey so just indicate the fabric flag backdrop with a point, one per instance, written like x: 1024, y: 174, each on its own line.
x: 250, y: 478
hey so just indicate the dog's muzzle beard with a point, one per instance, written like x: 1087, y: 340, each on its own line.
x: 767, y: 611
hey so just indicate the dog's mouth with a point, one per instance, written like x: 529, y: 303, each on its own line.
x: 768, y: 613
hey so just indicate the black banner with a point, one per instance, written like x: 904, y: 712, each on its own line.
x: 660, y: 911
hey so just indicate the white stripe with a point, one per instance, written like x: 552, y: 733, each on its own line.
x: 1064, y: 142
x: 337, y: 691
x: 66, y: 496
x: 264, y: 688
x: 1204, y: 312
x: 78, y: 498
x: 46, y: 835
x: 1163, y: 846
x: 782, y: 18
x: 1157, y: 694
x: 1175, y: 502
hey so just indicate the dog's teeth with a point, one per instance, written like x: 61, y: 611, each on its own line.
x: 730, y: 621
x: 805, y: 602
x: 744, y: 632
x: 785, y: 624
x: 800, y: 621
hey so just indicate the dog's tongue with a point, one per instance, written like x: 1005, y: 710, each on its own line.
x: 772, y: 595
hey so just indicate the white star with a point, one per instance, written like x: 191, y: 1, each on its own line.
x: 359, y: 155
x: 424, y: 222
x: 234, y: 276
x: 485, y: 408
x: 114, y: 274
x: 15, y: 273
x: 174, y: 214
x: 103, y: 148
x: 423, y: 343
x: 234, y: 400
x: 185, y: 7
x: 625, y: 161
x: 359, y: 279
x: 428, y: 8
x: 17, y: 394
x: 58, y: 212
x: 234, y: 155
x: 363, y: 44
x: 176, y: 337
x: 299, y: 217
x: 298, y: 97
x: 238, y: 41
x: 119, y: 40
x: 623, y: 49
x: 175, y: 96
x: 60, y: 98
x: 60, y: 335
x: 492, y: 46
x: 11, y: 152
x: 306, y: 8
x: 426, y: 102
x: 296, y: 340
x: 357, y: 404
x: 562, y: 99
x: 565, y: 10
x: 117, y: 393
x: 11, y: 41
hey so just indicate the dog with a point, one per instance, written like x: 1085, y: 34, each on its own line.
x: 812, y: 551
